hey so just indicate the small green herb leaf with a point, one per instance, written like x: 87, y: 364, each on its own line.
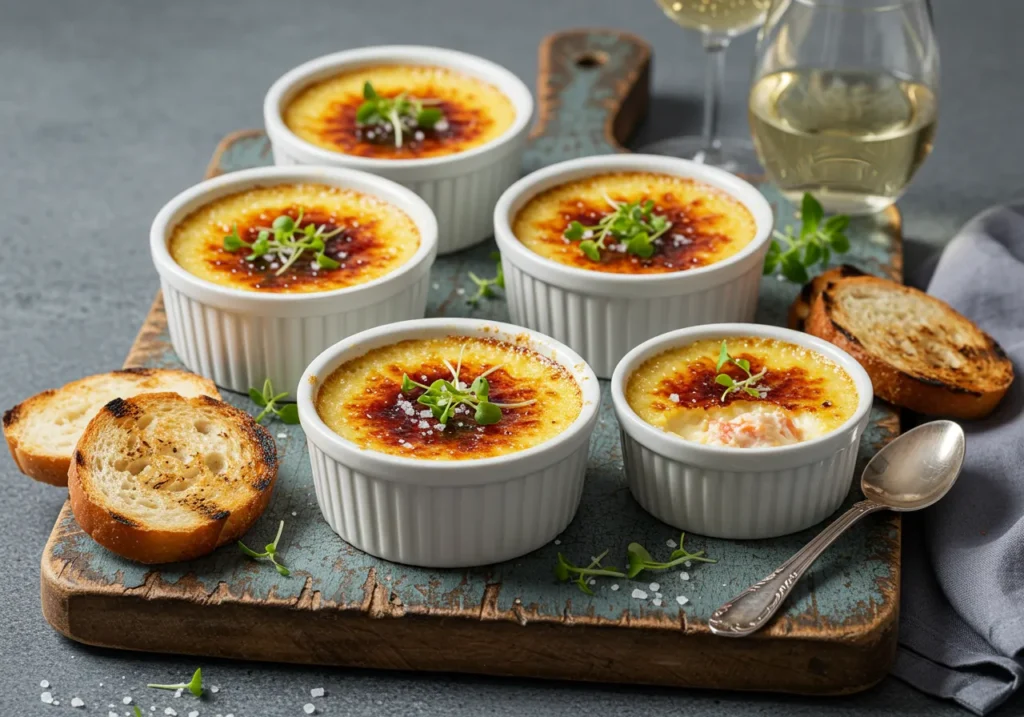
x: 429, y: 117
x: 269, y: 553
x: 368, y: 92
x: 633, y: 223
x: 256, y: 397
x: 487, y: 413
x: 811, y: 213
x: 590, y: 248
x: 289, y: 414
x: 233, y: 242
x: 326, y: 262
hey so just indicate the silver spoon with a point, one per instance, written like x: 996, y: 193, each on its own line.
x: 912, y: 472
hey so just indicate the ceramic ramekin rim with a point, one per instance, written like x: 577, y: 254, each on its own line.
x: 643, y: 285
x: 369, y: 292
x: 739, y: 459
x: 474, y: 471
x: 296, y: 78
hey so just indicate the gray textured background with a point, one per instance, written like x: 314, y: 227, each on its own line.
x: 109, y: 108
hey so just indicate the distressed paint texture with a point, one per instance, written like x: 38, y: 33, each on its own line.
x: 851, y: 594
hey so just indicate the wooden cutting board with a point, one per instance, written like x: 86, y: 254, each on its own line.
x: 342, y: 607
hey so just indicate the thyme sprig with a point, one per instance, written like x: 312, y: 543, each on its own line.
x: 749, y: 385
x: 288, y: 239
x: 401, y: 113
x: 633, y: 223
x: 443, y: 397
x: 817, y: 239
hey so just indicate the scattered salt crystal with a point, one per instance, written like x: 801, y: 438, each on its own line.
x: 177, y: 692
x: 639, y: 594
x: 46, y: 698
x: 294, y: 513
x: 436, y: 285
x: 460, y: 291
x: 77, y: 702
x: 418, y: 136
x: 682, y: 599
x: 557, y: 541
x: 658, y: 595
x: 671, y: 543
x: 657, y: 602
x: 193, y: 713
x: 684, y: 575
x: 615, y: 587
x: 111, y: 713
x: 688, y: 564
x: 170, y: 712
x: 316, y: 692
x: 127, y: 700
x: 654, y: 587
x: 423, y: 424
x: 44, y: 684
x: 592, y: 581
x: 308, y: 708
x: 674, y: 398
x: 56, y: 703
x: 282, y: 435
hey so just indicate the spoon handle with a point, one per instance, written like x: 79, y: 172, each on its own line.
x: 752, y: 608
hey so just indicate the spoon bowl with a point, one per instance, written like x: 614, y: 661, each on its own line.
x: 917, y: 469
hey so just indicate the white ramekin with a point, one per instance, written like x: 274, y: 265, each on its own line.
x: 603, y: 315
x: 238, y: 338
x: 448, y: 514
x: 738, y: 493
x: 460, y: 188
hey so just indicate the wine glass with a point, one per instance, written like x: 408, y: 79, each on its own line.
x: 845, y: 99
x: 718, y: 22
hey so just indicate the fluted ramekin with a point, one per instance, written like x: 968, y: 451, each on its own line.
x: 602, y: 315
x: 460, y: 188
x: 239, y: 338
x: 448, y: 514
x: 738, y: 493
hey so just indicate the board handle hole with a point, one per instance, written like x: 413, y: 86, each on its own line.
x: 591, y: 60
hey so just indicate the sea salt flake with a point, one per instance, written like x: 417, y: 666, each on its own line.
x: 112, y: 714
x: 177, y: 692
x: 592, y: 581
x: 674, y: 398
x: 688, y: 564
x: 170, y: 712
x: 308, y: 708
x: 127, y: 700
x: 215, y: 688
x: 282, y: 435
x: 658, y: 595
x: 615, y: 587
x: 654, y: 587
x: 316, y: 692
x: 44, y: 684
x: 557, y: 541
x: 682, y: 599
x: 460, y: 291
x: 657, y: 602
x: 639, y: 594
x: 193, y: 713
x: 77, y: 702
x: 671, y: 543
x: 684, y: 575
x: 46, y: 698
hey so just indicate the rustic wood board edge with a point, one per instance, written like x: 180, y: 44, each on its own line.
x: 847, y: 658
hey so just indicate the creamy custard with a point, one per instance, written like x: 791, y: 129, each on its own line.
x: 475, y: 112
x: 801, y: 396
x: 707, y: 224
x: 363, y: 401
x: 376, y: 238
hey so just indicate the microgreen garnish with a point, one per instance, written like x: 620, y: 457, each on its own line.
x: 443, y: 397
x: 138, y: 712
x: 484, y: 286
x: 401, y: 113
x: 267, y: 399
x: 747, y: 385
x: 633, y: 223
x: 640, y: 559
x: 195, y: 685
x: 287, y: 240
x: 269, y: 552
x: 564, y: 569
x: 817, y: 239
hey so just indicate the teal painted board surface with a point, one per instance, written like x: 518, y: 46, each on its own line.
x: 340, y: 606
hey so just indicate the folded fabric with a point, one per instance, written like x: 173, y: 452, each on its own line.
x: 962, y: 604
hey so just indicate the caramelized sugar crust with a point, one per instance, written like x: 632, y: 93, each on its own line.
x: 708, y: 225
x: 324, y: 113
x: 376, y: 238
x: 363, y: 401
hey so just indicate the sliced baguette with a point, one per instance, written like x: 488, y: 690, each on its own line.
x: 42, y: 431
x: 920, y: 353
x: 160, y: 478
x: 800, y: 309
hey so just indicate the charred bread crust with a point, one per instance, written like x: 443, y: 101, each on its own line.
x: 920, y: 393
x: 800, y: 309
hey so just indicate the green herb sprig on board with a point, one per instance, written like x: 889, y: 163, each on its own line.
x: 269, y: 552
x: 195, y: 685
x: 267, y: 399
x: 485, y: 287
x: 564, y: 570
x: 401, y: 113
x: 640, y: 559
x: 633, y: 223
x: 793, y: 254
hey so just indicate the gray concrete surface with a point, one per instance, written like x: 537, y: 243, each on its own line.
x: 108, y: 108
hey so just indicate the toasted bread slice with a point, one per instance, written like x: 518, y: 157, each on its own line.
x: 800, y: 309
x: 42, y: 431
x: 919, y: 352
x: 159, y: 478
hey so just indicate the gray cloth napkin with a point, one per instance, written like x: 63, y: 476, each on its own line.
x: 962, y: 607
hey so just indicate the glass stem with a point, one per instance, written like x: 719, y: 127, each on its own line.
x: 715, y: 47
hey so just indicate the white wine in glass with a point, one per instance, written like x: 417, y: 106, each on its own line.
x: 729, y: 17
x: 852, y: 138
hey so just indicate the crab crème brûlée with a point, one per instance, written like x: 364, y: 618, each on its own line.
x: 367, y: 238
x: 473, y: 112
x: 364, y: 400
x: 704, y: 224
x: 781, y: 393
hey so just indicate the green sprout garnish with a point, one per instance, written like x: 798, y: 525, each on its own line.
x: 564, y: 569
x: 401, y: 113
x: 747, y: 385
x: 267, y: 399
x: 138, y: 712
x: 443, y: 397
x: 818, y: 238
x: 269, y: 553
x: 288, y: 239
x: 633, y: 223
x: 484, y: 286
x: 195, y: 685
x: 640, y: 559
